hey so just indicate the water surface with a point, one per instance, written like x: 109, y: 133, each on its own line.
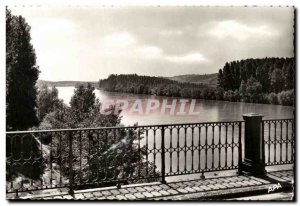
x: 209, y: 110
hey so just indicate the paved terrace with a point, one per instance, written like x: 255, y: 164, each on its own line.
x: 230, y: 187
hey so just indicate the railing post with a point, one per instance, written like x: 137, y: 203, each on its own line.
x: 254, y: 161
x: 71, y: 172
x: 163, y: 163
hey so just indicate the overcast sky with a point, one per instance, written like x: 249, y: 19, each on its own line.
x: 88, y: 43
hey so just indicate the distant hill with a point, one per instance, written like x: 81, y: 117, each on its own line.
x: 208, y: 79
x: 65, y: 83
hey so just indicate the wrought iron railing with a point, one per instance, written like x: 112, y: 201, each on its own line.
x: 279, y: 137
x: 96, y: 157
x: 85, y: 158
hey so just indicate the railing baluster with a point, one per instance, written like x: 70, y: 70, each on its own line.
x: 98, y: 152
x: 226, y: 142
x: 80, y: 157
x: 106, y: 147
x: 232, y: 147
x: 163, y: 164
x: 185, y: 149
x: 286, y: 139
x: 171, y: 149
x: 51, y: 159
x: 213, y: 147
x: 60, y: 162
x: 31, y: 157
x: 293, y: 142
x: 269, y: 144
x: 199, y: 127
x: 147, y: 158
x: 139, y: 152
x: 119, y: 139
x: 192, y: 149
x: 22, y: 159
x: 240, y: 149
x: 154, y: 150
x: 275, y: 144
x: 263, y: 142
x: 71, y: 174
x: 41, y: 158
x: 202, y: 147
x: 206, y: 128
x: 120, y: 157
x: 220, y: 130
x: 178, y: 146
x: 280, y: 141
x: 89, y: 139
x: 12, y: 160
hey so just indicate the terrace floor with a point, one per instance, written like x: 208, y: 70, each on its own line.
x: 231, y: 187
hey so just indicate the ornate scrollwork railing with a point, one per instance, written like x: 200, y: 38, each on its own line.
x: 98, y: 157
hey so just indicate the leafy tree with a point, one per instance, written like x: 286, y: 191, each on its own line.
x: 286, y: 97
x: 253, y: 90
x: 289, y: 75
x: 273, y: 98
x: 106, y: 153
x: 262, y: 75
x: 220, y: 83
x: 59, y: 118
x: 242, y: 91
x: 21, y: 75
x: 219, y: 93
x: 47, y: 100
x: 82, y: 102
x: 237, y: 95
x: 227, y: 77
x: 228, y: 95
x: 232, y: 96
x: 277, y: 80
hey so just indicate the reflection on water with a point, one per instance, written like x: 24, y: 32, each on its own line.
x: 209, y: 110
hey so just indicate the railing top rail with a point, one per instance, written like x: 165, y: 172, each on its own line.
x: 288, y: 119
x: 122, y: 127
x: 138, y: 126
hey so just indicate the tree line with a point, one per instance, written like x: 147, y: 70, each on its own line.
x: 267, y: 80
x: 133, y: 83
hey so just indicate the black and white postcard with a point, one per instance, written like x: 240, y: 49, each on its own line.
x: 168, y: 103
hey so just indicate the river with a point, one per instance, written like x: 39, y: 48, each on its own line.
x: 208, y: 110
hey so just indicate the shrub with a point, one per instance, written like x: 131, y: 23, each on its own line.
x: 286, y: 97
x: 273, y: 98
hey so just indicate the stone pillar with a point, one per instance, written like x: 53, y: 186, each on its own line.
x: 254, y: 147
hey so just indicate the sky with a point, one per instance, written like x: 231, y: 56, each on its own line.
x: 89, y: 43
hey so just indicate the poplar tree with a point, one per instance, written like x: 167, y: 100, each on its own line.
x: 21, y: 75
